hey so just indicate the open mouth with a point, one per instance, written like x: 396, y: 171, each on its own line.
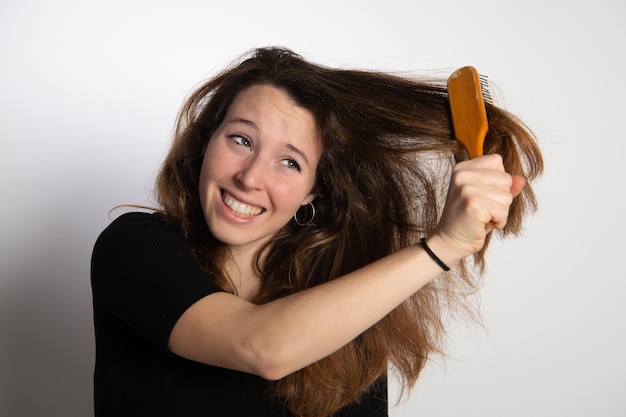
x: 240, y: 208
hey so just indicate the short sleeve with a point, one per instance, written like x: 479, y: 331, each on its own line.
x: 144, y: 274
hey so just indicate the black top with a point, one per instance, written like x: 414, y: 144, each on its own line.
x: 144, y: 276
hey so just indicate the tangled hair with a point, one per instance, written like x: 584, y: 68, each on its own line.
x: 382, y: 179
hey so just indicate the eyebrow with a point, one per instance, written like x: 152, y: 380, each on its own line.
x: 254, y: 126
x: 244, y: 121
x: 298, y: 151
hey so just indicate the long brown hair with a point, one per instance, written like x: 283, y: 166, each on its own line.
x: 381, y: 182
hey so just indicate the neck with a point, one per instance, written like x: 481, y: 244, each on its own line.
x: 244, y: 273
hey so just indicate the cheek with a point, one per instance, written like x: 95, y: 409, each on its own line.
x: 207, y: 173
x: 202, y: 186
x: 211, y: 159
x: 292, y: 196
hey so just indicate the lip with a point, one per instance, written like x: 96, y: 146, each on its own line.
x: 248, y: 212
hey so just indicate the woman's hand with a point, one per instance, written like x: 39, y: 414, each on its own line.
x: 478, y: 201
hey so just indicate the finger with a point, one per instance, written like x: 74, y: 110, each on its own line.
x: 499, y: 215
x: 492, y: 161
x: 493, y: 203
x: 518, y: 185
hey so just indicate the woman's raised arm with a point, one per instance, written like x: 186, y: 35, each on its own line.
x: 277, y: 338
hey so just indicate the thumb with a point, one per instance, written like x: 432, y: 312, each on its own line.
x: 518, y: 185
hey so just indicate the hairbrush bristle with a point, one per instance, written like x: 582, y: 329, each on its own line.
x: 484, y: 86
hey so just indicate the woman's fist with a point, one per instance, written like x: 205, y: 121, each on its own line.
x: 478, y: 201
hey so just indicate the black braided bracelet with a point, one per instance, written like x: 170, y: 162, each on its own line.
x: 433, y: 256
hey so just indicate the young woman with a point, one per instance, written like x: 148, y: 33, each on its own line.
x: 283, y: 271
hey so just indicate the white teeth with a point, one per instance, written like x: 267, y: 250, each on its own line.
x: 241, y: 208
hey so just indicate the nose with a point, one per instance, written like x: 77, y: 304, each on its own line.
x: 253, y: 174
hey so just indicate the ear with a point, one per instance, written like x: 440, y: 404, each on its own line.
x: 308, y: 199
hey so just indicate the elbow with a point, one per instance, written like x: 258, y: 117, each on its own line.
x: 271, y: 361
x: 272, y: 373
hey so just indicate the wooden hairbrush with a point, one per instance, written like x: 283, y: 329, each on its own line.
x: 468, y: 91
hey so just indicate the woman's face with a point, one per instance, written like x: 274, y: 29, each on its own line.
x: 259, y: 167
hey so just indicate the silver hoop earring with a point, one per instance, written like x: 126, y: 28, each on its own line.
x: 295, y: 216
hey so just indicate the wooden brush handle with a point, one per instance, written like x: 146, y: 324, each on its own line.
x: 469, y: 116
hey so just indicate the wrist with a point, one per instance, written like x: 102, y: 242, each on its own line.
x: 441, y: 250
x: 433, y: 255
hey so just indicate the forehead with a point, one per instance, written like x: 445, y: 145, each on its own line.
x: 267, y: 97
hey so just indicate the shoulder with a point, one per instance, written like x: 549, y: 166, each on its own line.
x: 138, y: 225
x: 135, y: 236
x: 142, y: 248
x: 139, y: 220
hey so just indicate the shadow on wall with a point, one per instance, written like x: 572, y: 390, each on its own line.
x: 47, y: 348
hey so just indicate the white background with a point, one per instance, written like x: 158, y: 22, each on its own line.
x: 88, y: 95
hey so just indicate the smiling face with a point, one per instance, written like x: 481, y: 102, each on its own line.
x: 259, y: 167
